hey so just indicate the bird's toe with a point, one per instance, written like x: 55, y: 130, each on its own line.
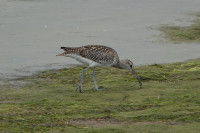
x: 79, y: 88
x: 96, y: 89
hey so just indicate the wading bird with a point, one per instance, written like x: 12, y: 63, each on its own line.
x: 97, y: 55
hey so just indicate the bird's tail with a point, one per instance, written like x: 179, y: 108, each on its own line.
x: 68, y: 50
x: 63, y: 47
x: 64, y: 53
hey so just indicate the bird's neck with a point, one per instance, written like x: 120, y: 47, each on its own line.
x: 120, y: 65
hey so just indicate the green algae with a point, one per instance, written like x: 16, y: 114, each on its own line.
x: 183, y: 34
x: 168, y: 101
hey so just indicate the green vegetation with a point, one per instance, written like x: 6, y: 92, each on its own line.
x: 183, y: 34
x: 169, y: 101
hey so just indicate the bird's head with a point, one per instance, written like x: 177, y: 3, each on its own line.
x: 128, y: 65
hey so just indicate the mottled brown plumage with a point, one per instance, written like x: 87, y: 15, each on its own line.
x: 103, y: 55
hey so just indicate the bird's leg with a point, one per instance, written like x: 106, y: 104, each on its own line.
x: 82, y: 76
x: 93, y: 76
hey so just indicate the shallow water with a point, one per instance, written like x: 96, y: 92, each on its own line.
x: 32, y: 31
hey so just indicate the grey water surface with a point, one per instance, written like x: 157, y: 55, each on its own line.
x: 32, y: 31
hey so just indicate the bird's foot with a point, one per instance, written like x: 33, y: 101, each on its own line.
x: 80, y: 88
x: 96, y: 89
x: 81, y: 91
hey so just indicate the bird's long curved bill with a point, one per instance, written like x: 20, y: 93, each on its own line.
x: 136, y: 75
